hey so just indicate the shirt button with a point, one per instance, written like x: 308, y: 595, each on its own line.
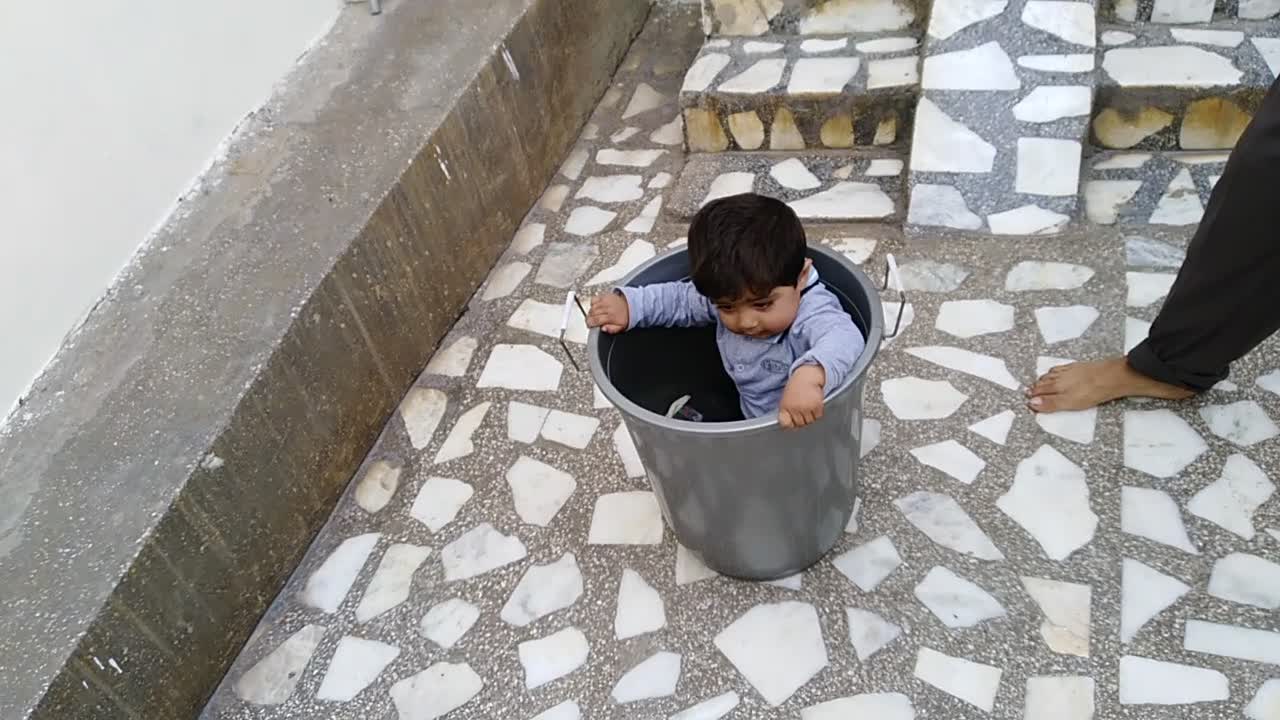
x: 741, y: 368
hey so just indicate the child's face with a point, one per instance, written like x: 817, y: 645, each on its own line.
x: 767, y: 315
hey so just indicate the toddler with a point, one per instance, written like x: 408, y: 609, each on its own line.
x: 784, y: 338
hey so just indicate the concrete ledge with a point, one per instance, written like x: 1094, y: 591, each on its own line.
x: 170, y: 467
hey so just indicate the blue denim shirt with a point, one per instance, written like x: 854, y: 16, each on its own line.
x: 822, y: 334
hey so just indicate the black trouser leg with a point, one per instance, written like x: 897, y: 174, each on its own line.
x: 1226, y: 299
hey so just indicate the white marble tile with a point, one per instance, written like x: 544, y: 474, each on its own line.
x: 817, y: 46
x: 1269, y: 382
x: 625, y: 446
x: 1159, y: 442
x: 1047, y: 103
x: 454, y: 360
x: 869, y: 633
x: 567, y: 710
x: 940, y: 206
x: 656, y: 677
x: 1219, y: 38
x: 356, y: 664
x: 792, y: 173
x: 942, y: 519
x: 1144, y: 252
x: 777, y: 647
x: 272, y: 680
x: 884, y: 167
x: 391, y: 581
x: 892, y: 312
x: 545, y: 318
x: 971, y: 363
x: 761, y: 77
x: 846, y: 201
x: 521, y: 367
x: 957, y: 602
x: 524, y: 421
x: 1246, y: 579
x: 1104, y: 198
x: 910, y: 398
x: 1076, y: 63
x: 1232, y: 641
x: 659, y: 181
x: 439, y: 502
x: 870, y: 435
x: 629, y: 158
x: 644, y: 99
x: 598, y: 399
x: 1144, y: 681
x: 1231, y: 500
x: 1182, y: 11
x: 886, y: 45
x: 893, y: 72
x: 972, y: 682
x: 640, y: 608
x: 436, y: 691
x: 1265, y: 704
x: 995, y: 428
x: 1242, y: 423
x: 1174, y: 66
x: 1269, y: 48
x: 478, y: 551
x: 626, y: 518
x: 1049, y: 498
x: 1146, y: 288
x: 671, y: 133
x: 1071, y: 21
x: 1078, y: 426
x: 971, y: 318
x: 445, y: 623
x: 624, y: 134
x: 1027, y: 220
x: 690, y: 568
x: 985, y: 67
x: 820, y: 76
x: 1135, y: 331
x: 851, y: 527
x: 553, y: 199
x: 538, y: 490
x: 710, y: 709
x: 881, y: 706
x: 421, y: 410
x: 1226, y: 386
x: 1145, y: 593
x: 1067, y: 611
x: 543, y: 590
x: 587, y: 220
x: 1059, y: 324
x: 1059, y: 697
x: 609, y: 189
x: 730, y: 183
x: 1036, y: 275
x: 931, y: 276
x: 328, y: 586
x: 643, y: 223
x: 553, y: 657
x: 570, y: 430
x: 1180, y: 205
x: 1048, y: 166
x: 857, y: 249
x: 377, y: 486
x: 951, y: 16
x: 458, y: 444
x: 869, y: 564
x: 1125, y: 161
x: 564, y: 263
x: 1117, y: 37
x: 1154, y: 515
x: 704, y: 71
x: 790, y: 582
x: 636, y: 253
x: 943, y: 144
x: 952, y: 458
x: 574, y: 163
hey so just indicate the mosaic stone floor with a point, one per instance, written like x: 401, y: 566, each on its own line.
x: 499, y: 554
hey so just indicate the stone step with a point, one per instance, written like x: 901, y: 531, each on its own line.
x: 790, y: 93
x: 1186, y: 12
x: 999, y: 131
x: 822, y: 186
x: 1162, y: 189
x: 753, y: 18
x: 1192, y: 88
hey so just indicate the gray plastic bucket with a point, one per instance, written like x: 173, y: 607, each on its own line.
x: 750, y: 499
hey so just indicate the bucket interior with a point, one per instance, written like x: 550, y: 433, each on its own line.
x: 653, y: 367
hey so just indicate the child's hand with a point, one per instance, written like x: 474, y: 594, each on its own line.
x: 609, y: 313
x: 802, y: 399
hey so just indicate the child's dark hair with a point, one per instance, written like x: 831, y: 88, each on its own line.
x: 744, y: 245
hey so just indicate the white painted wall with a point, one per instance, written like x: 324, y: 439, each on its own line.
x: 109, y: 109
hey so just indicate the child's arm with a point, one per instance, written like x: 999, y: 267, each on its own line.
x: 675, y: 304
x: 834, y: 344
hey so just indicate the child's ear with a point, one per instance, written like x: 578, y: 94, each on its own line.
x: 804, y: 272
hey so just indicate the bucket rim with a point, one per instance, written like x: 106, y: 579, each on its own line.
x: 874, y: 337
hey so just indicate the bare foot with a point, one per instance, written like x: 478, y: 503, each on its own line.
x: 1083, y: 385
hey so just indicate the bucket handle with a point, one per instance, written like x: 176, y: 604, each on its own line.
x: 569, y: 301
x: 891, y: 273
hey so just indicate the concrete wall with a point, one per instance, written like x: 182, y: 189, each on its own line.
x: 111, y: 109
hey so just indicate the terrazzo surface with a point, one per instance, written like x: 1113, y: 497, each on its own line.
x: 500, y: 555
